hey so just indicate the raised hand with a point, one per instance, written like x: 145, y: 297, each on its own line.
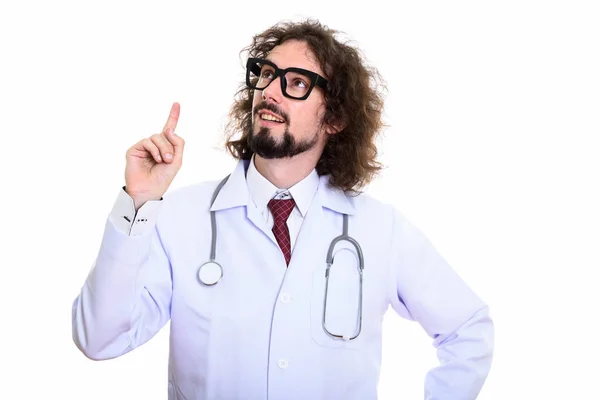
x: 152, y: 163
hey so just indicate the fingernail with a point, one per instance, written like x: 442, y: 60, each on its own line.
x: 168, y: 156
x: 158, y: 157
x: 172, y: 132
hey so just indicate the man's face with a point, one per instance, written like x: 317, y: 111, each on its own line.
x: 301, y: 128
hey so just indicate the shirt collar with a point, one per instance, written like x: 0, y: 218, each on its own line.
x: 261, y: 190
x: 235, y: 192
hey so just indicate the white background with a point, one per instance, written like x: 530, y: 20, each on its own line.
x: 493, y: 113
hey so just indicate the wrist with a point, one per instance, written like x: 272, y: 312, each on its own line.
x: 141, y: 198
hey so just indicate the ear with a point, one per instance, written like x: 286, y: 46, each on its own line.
x: 334, y: 129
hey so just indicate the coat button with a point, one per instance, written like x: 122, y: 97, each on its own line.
x: 286, y: 298
x: 282, y: 363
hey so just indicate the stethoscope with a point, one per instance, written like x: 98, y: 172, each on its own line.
x: 211, y: 272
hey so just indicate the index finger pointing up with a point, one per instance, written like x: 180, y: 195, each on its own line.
x: 173, y: 117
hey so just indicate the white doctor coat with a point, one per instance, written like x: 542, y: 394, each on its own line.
x: 258, y: 333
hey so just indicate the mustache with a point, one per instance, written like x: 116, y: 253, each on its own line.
x: 273, y: 108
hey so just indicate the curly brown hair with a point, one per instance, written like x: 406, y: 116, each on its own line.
x: 353, y: 101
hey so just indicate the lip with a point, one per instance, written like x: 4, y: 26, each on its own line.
x: 268, y: 124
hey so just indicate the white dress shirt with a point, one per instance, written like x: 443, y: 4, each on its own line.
x: 262, y: 191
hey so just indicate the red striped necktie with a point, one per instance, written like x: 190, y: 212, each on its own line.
x: 281, y: 210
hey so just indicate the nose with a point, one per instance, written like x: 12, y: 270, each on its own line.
x: 273, y: 91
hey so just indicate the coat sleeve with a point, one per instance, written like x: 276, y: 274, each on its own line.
x: 126, y: 298
x: 426, y: 289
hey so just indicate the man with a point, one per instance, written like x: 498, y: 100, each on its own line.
x: 264, y: 299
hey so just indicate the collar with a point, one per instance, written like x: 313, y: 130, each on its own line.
x: 333, y: 198
x: 262, y: 190
x: 239, y: 191
x: 234, y: 192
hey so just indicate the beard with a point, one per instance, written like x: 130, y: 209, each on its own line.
x: 265, y: 145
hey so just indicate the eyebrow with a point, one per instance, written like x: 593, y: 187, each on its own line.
x: 305, y: 68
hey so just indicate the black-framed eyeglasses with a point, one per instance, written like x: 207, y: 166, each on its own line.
x: 296, y: 83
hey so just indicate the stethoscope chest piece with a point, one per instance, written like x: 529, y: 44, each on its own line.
x: 210, y: 273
